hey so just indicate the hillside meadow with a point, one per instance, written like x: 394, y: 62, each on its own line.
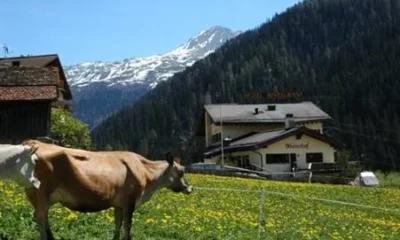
x: 215, y: 211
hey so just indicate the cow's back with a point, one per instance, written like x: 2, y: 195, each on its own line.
x: 88, y: 181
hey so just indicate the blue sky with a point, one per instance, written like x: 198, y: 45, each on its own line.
x: 88, y: 30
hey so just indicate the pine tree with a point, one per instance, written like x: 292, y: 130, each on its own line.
x: 342, y: 55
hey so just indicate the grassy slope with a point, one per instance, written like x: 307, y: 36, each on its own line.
x: 225, y: 214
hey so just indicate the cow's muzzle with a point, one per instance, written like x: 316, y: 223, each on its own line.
x: 188, y: 190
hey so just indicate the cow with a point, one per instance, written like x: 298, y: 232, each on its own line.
x: 88, y: 181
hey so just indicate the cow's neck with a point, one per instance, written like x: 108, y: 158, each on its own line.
x: 155, y: 171
x: 154, y: 175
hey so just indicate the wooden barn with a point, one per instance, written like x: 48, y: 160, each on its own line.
x: 29, y: 87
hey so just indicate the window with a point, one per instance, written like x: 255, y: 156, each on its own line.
x: 216, y: 137
x: 242, y: 161
x: 314, y: 157
x: 277, y: 158
x: 236, y: 158
x: 246, y: 161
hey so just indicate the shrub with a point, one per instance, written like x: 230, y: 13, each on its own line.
x: 70, y: 131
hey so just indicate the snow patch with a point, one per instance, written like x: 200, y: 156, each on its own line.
x: 153, y: 85
x: 167, y: 75
x: 208, y: 52
x: 147, y: 70
x: 190, y: 63
x: 211, y: 38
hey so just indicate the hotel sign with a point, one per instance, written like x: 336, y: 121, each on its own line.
x: 295, y: 145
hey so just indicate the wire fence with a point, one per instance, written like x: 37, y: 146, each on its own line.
x: 260, y: 214
x: 284, y: 176
x: 290, y: 195
x: 264, y: 193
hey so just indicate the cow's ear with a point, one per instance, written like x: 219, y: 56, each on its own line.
x: 169, y: 158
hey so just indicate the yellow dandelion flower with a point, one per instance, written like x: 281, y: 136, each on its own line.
x: 150, y: 221
x: 72, y: 216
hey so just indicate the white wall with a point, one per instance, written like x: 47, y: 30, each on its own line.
x: 313, y: 144
x: 254, y: 158
x: 234, y: 131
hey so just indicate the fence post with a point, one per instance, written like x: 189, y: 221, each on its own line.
x: 260, y: 214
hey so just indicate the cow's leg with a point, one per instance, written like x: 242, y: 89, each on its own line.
x: 33, y: 197
x: 118, y: 222
x: 41, y: 212
x: 41, y: 215
x: 127, y: 215
x: 48, y: 230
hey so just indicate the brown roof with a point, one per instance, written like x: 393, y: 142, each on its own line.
x: 36, y: 61
x: 28, y: 93
x: 41, y: 61
x: 22, y: 76
x: 28, y: 83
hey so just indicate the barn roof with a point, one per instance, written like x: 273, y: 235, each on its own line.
x: 27, y: 83
x: 22, y: 76
x: 28, y: 93
x: 36, y: 61
x: 49, y: 60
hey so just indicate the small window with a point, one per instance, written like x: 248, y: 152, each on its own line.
x: 277, y: 158
x: 314, y: 157
x: 216, y: 137
x: 246, y: 161
x: 242, y: 161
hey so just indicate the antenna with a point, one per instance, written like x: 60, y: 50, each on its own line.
x: 5, y: 50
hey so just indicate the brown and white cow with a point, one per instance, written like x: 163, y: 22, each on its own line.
x: 88, y: 181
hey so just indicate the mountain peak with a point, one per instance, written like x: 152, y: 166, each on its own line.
x: 205, y: 42
x: 92, y: 80
x: 151, y: 69
x: 217, y: 31
x: 219, y: 28
x: 212, y: 29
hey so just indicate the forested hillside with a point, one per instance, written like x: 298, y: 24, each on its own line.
x: 344, y: 55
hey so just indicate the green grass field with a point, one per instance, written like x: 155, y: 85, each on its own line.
x: 222, y: 214
x: 391, y: 180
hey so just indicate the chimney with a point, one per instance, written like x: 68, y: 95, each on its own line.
x: 289, y: 121
x: 271, y: 107
x: 15, y: 63
x: 255, y: 111
x: 207, y: 98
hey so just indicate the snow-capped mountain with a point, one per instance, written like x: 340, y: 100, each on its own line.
x: 101, y: 88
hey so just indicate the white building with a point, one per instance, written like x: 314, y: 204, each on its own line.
x: 269, y: 137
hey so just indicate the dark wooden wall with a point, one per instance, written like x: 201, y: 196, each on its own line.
x: 20, y: 120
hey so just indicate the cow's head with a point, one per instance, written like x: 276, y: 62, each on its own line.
x: 175, y: 179
x: 17, y: 162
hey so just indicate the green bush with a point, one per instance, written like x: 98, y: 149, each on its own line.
x: 70, y: 131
